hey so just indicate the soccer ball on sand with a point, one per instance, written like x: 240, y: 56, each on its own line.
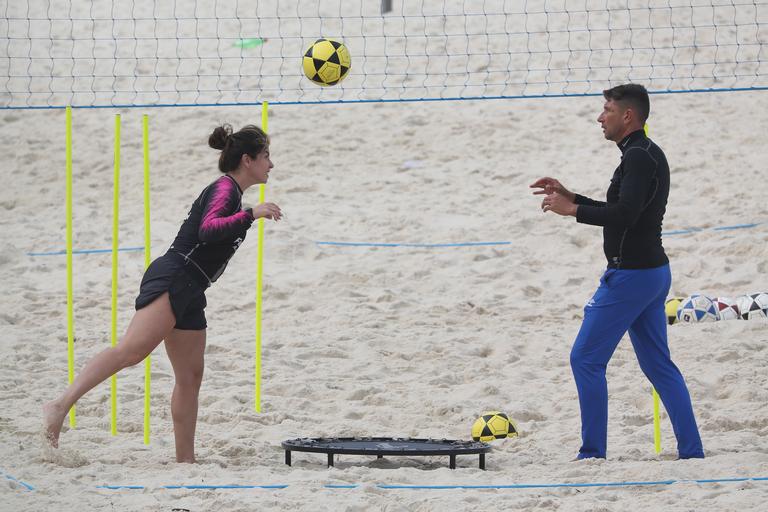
x: 754, y: 305
x: 726, y: 308
x: 493, y: 425
x: 670, y: 308
x: 696, y: 309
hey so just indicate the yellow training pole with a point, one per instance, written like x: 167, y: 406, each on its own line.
x: 70, y: 319
x: 147, y: 259
x: 115, y: 223
x: 656, y: 420
x: 656, y: 423
x: 259, y: 274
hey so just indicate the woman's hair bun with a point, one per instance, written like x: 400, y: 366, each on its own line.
x: 218, y: 139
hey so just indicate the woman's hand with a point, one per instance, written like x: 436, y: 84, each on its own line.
x: 551, y: 186
x: 266, y: 211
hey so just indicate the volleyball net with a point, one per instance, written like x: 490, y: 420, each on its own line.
x: 224, y: 52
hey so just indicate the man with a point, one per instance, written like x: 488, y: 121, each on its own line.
x: 634, y: 287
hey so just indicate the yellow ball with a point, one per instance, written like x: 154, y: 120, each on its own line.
x: 493, y: 425
x: 327, y: 62
x: 671, y: 307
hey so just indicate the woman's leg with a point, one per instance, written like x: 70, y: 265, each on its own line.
x: 146, y: 330
x: 186, y: 349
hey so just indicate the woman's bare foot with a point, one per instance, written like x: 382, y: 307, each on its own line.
x: 53, y: 418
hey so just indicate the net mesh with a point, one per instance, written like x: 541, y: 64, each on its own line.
x: 202, y: 52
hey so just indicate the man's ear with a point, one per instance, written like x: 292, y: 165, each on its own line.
x: 629, y: 115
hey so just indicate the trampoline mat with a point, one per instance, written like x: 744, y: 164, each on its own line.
x: 381, y: 446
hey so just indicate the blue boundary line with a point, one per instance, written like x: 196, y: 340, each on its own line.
x: 720, y: 228
x: 84, y: 251
x: 410, y: 245
x: 120, y: 487
x: 194, y: 487
x: 681, y: 232
x: 232, y: 486
x: 400, y: 100
x: 737, y: 226
x: 460, y: 486
x: 383, y: 244
x: 528, y: 486
x: 20, y: 482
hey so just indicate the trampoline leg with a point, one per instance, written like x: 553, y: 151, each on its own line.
x: 453, y: 462
x: 482, y: 461
x: 330, y: 459
x: 288, y: 457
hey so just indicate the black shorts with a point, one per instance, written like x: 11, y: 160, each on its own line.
x: 169, y: 274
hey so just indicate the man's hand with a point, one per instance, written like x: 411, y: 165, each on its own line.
x: 550, y: 186
x: 559, y: 204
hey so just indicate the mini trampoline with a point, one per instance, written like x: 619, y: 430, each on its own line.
x: 381, y: 446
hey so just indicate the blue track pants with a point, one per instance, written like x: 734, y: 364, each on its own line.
x: 629, y: 300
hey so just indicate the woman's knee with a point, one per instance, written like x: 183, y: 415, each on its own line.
x: 190, y: 378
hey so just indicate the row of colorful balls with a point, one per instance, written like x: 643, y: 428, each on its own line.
x: 700, y: 308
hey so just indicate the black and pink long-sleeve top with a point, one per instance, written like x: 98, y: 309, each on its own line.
x: 213, y: 230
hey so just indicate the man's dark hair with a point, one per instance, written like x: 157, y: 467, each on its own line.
x: 631, y: 95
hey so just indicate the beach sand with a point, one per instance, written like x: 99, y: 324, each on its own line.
x: 384, y: 341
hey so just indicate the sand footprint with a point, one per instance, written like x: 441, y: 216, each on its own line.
x: 531, y: 291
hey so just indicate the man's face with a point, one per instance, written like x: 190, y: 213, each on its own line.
x: 612, y: 120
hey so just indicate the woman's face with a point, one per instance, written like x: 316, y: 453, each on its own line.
x: 259, y: 167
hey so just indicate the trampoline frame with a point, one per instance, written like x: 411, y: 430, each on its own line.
x: 451, y: 448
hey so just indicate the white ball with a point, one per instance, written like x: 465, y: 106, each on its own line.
x: 754, y: 305
x: 726, y: 308
x: 697, y: 308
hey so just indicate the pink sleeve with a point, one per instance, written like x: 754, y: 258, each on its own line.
x: 222, y: 216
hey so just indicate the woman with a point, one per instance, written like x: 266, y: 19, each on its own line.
x: 171, y: 300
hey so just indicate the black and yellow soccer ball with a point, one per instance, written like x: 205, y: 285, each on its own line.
x: 670, y: 308
x: 493, y: 425
x: 327, y: 62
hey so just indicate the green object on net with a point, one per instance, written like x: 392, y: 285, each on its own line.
x: 249, y: 43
